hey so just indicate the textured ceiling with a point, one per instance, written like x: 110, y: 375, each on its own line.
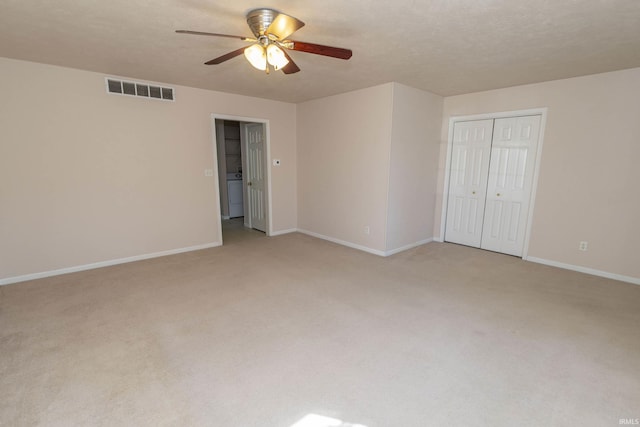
x: 444, y: 46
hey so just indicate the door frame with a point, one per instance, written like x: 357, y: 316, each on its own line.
x: 267, y: 141
x: 542, y: 112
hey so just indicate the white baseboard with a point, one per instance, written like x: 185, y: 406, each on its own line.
x: 365, y: 248
x: 606, y: 274
x: 407, y: 247
x: 24, y: 278
x: 343, y: 242
x: 281, y: 232
x: 438, y: 239
x: 225, y: 217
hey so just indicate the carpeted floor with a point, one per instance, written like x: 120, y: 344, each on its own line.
x: 264, y: 331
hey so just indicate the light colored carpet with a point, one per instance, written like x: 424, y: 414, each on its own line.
x: 264, y: 331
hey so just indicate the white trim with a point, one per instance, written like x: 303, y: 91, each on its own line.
x: 447, y: 170
x: 500, y: 115
x: 407, y: 247
x: 534, y: 186
x: 360, y: 247
x: 586, y: 270
x: 225, y: 217
x: 281, y: 232
x: 216, y: 178
x: 24, y: 278
x: 343, y: 242
x: 267, y: 131
x: 267, y: 166
x: 244, y: 142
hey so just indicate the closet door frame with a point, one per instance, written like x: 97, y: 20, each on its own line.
x: 542, y: 112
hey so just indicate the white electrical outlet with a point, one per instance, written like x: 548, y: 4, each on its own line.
x: 583, y: 246
x: 208, y: 172
x: 367, y: 230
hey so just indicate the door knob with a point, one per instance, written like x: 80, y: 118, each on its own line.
x: 498, y: 194
x: 249, y: 183
x: 473, y: 192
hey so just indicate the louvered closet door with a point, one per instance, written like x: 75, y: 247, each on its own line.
x: 468, y: 181
x: 513, y: 154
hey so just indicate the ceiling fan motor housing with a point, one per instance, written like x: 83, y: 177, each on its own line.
x: 260, y: 19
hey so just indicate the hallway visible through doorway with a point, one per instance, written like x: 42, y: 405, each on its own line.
x: 243, y: 172
x: 234, y: 231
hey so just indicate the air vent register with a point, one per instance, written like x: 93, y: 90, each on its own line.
x: 123, y: 87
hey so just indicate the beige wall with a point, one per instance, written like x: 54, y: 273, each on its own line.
x: 415, y: 137
x: 87, y: 177
x: 343, y: 165
x: 589, y: 174
x: 369, y: 158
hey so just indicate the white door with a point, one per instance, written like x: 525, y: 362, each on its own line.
x: 255, y: 179
x: 468, y: 181
x: 513, y: 154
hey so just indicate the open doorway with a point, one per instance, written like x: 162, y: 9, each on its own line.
x: 243, y: 177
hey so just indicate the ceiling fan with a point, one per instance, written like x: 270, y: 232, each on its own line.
x: 271, y: 30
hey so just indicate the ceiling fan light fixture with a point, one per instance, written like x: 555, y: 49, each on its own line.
x: 271, y: 30
x: 276, y: 57
x: 256, y: 56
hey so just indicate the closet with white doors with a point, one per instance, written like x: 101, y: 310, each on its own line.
x: 490, y: 182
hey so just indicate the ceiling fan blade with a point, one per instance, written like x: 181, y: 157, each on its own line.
x: 226, y: 57
x: 318, y: 49
x: 283, y: 26
x: 200, y: 33
x: 291, y: 67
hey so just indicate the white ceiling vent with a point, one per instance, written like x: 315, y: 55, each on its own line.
x: 144, y: 90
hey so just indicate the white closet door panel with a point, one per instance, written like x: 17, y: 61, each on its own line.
x: 468, y: 181
x: 513, y: 154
